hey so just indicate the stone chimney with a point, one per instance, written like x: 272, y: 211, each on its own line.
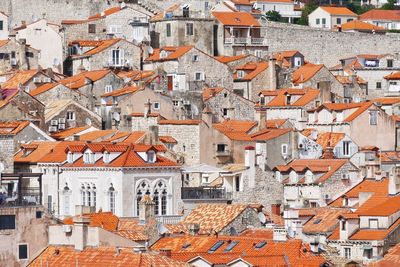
x: 207, y: 115
x: 327, y: 153
x: 146, y: 209
x: 325, y: 91
x: 261, y: 117
x: 194, y: 228
x: 393, y: 182
x: 250, y: 164
x: 153, y: 130
x: 272, y: 74
x: 276, y: 209
x: 80, y: 232
x: 378, y: 175
x: 147, y: 108
x: 22, y: 54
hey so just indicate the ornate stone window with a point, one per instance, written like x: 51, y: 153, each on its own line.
x: 111, y: 198
x: 141, y: 190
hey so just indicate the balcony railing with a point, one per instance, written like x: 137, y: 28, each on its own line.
x: 169, y: 219
x: 205, y: 193
x: 245, y: 40
x: 28, y: 197
x: 223, y: 153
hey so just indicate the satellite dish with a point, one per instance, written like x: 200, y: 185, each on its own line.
x: 261, y: 217
x: 162, y: 229
x: 150, y: 50
x: 233, y: 231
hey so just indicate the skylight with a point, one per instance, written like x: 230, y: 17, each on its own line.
x: 317, y: 221
x: 186, y: 245
x: 260, y: 245
x: 231, y: 246
x: 216, y: 246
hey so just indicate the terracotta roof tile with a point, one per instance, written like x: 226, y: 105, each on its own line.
x: 105, y: 220
x: 393, y: 76
x: 123, y: 91
x: 360, y: 26
x: 102, y: 46
x: 236, y: 19
x: 20, y: 77
x: 325, y: 139
x: 343, y: 11
x: 211, y: 92
x: 4, y: 42
x: 43, y: 88
x: 83, y: 78
x: 325, y: 220
x: 12, y: 127
x: 306, y: 72
x: 306, y: 95
x: 135, y: 75
x: 379, y: 14
x: 173, y: 53
x: 375, y: 234
x: 180, y: 122
x: 228, y: 59
x: 69, y: 132
x: 168, y: 139
x: 236, y: 129
x: 101, y: 256
x: 106, y: 12
x: 268, y: 134
x: 275, y: 123
x: 34, y: 152
x: 98, y: 135
x: 391, y: 258
x: 251, y: 70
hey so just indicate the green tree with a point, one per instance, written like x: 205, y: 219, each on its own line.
x: 273, y: 15
x: 307, y: 10
x: 390, y: 5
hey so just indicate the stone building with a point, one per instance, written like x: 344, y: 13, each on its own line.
x: 187, y: 68
x: 224, y: 104
x: 178, y: 25
x: 24, y: 233
x: 314, y: 182
x: 27, y: 80
x: 47, y: 38
x: 47, y: 92
x: 4, y: 29
x: 95, y: 55
x: 17, y: 55
x: 67, y: 113
x: 127, y: 22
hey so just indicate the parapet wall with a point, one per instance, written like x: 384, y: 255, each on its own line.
x: 325, y: 46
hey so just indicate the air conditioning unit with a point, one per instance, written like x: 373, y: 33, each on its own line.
x: 61, y: 127
x: 52, y: 129
x: 326, y: 196
x: 186, y: 102
x: 54, y: 122
x: 37, y: 80
x: 345, y: 176
x: 67, y: 228
x: 61, y: 120
x: 47, y: 80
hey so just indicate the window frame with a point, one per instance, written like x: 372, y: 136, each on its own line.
x: 189, y: 29
x: 168, y: 30
x: 27, y: 251
x: 92, y: 28
x: 15, y: 224
x: 284, y: 149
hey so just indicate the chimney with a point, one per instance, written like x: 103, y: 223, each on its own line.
x: 147, y: 108
x: 272, y: 73
x: 393, y: 182
x: 378, y: 175
x: 325, y: 91
x: 207, y: 115
x: 261, y: 117
x: 250, y: 163
x: 194, y: 228
x: 165, y: 252
x: 80, y: 232
x: 146, y: 209
x: 276, y: 209
x: 153, y: 134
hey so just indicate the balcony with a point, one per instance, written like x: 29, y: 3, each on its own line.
x: 223, y: 153
x: 16, y: 194
x: 205, y: 193
x: 245, y: 40
x: 169, y: 219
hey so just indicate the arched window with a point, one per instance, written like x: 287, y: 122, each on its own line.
x: 106, y: 157
x: 94, y: 195
x: 67, y: 193
x: 70, y: 157
x: 89, y: 196
x: 141, y: 190
x: 160, y: 198
x: 83, y: 195
x: 111, y: 198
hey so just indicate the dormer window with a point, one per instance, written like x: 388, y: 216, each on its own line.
x: 240, y: 74
x: 151, y: 156
x: 106, y: 157
x: 70, y: 157
x: 88, y: 157
x: 339, y: 116
x: 288, y: 99
x: 309, y: 176
x: 345, y: 201
x: 163, y: 54
x: 293, y: 176
x: 262, y: 100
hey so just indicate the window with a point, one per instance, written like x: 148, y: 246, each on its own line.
x: 83, y: 195
x: 237, y: 183
x: 108, y: 88
x: 168, y: 29
x: 368, y: 253
x: 156, y: 105
x: 89, y: 198
x: 38, y: 214
x: 389, y: 63
x: 373, y: 117
x: 117, y: 57
x: 50, y: 203
x: 284, y: 149
x: 347, y: 253
x: 71, y: 115
x: 260, y: 245
x: 92, y: 28
x: 240, y: 74
x: 343, y: 223
x: 1, y: 25
x: 151, y: 156
x: 111, y: 198
x: 185, y: 12
x: 258, y: 53
x: 378, y: 85
x: 225, y: 112
x: 199, y: 76
x: 348, y: 20
x: 189, y: 29
x: 338, y: 21
x: 23, y: 251
x: 175, y: 103
x: 66, y: 205
x: 373, y: 223
x: 195, y: 57
x: 221, y: 147
x: 317, y: 21
x: 262, y: 100
x: 142, y: 189
x: 7, y: 222
x: 323, y: 22
x: 346, y: 148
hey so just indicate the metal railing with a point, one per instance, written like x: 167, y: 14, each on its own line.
x: 205, y: 193
x: 29, y: 197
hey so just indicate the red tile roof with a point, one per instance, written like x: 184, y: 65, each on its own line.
x: 236, y: 129
x: 69, y: 132
x: 20, y: 77
x: 375, y: 234
x: 211, y: 92
x: 105, y: 220
x: 360, y: 26
x: 12, y: 127
x: 251, y: 70
x: 325, y: 220
x: 102, y: 257
x: 280, y: 100
x: 43, y: 88
x: 123, y: 91
x: 393, y: 76
x: 106, y: 12
x: 173, y: 53
x: 180, y: 122
x: 84, y: 78
x: 268, y: 134
x: 236, y: 19
x: 306, y: 72
x: 391, y: 258
x: 379, y: 14
x: 342, y: 11
x: 101, y: 46
x: 33, y: 152
x: 325, y: 139
x: 358, y: 108
x: 228, y: 59
x: 275, y: 123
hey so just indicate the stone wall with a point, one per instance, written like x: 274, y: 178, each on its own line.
x: 325, y: 46
x: 248, y: 217
x: 6, y: 153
